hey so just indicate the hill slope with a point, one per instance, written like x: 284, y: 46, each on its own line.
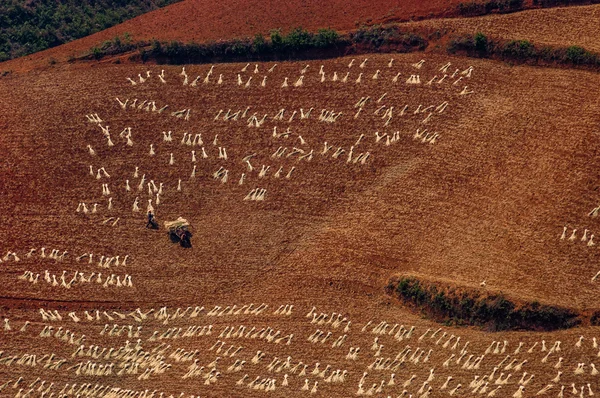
x: 474, y: 170
x: 487, y: 200
x: 28, y: 27
x: 201, y: 20
x: 561, y: 27
x: 440, y: 219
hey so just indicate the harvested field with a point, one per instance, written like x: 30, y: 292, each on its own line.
x: 484, y: 199
x: 434, y: 181
x: 307, y: 187
x: 559, y: 27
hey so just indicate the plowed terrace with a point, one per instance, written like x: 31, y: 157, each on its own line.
x: 452, y: 169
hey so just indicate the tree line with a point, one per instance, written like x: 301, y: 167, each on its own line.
x: 29, y: 26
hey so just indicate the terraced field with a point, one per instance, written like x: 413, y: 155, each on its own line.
x: 308, y: 186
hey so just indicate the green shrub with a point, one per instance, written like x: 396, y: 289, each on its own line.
x: 474, y: 8
x: 466, y: 307
x: 440, y: 303
x: 259, y: 44
x: 372, y: 36
x: 495, y: 312
x: 276, y: 39
x: 143, y: 54
x: 214, y: 49
x: 576, y: 55
x: 464, y: 43
x: 299, y: 43
x: 174, y: 50
x: 326, y: 38
x: 471, y: 8
x: 547, y: 54
x: 240, y: 47
x: 97, y: 53
x: 388, y: 38
x: 117, y: 42
x: 481, y: 44
x: 415, y: 41
x: 298, y: 39
x: 519, y: 49
x: 156, y: 47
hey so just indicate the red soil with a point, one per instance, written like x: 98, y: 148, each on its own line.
x: 202, y: 20
x: 416, y: 208
x: 516, y: 161
x: 560, y: 27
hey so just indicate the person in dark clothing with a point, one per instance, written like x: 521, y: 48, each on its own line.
x: 151, y: 221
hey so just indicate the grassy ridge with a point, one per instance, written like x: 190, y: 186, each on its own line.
x: 522, y: 51
x: 478, y: 308
x: 298, y: 44
x: 327, y: 43
x: 29, y: 26
x: 478, y: 7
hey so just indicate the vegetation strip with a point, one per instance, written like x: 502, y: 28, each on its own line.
x: 27, y: 27
x: 522, y: 51
x: 298, y: 44
x: 479, y: 8
x: 327, y: 43
x: 491, y: 311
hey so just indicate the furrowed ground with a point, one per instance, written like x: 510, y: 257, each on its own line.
x: 559, y: 27
x: 452, y: 169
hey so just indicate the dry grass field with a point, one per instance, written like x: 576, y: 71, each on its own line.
x: 562, y: 26
x: 452, y: 169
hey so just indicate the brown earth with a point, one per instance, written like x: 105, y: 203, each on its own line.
x: 558, y: 27
x: 201, y: 20
x: 514, y: 163
x: 528, y: 158
x: 487, y: 201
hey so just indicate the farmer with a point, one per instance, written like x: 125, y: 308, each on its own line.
x: 151, y: 222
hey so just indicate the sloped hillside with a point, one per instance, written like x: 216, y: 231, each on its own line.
x: 307, y: 187
x: 27, y: 27
x: 201, y: 21
x: 437, y: 201
x: 559, y: 27
x: 468, y: 178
